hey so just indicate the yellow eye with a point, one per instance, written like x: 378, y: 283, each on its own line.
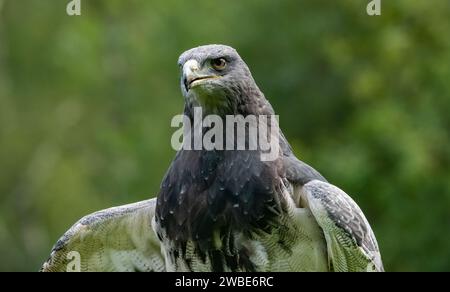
x: 219, y: 64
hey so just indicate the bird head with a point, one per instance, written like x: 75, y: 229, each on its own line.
x: 215, y: 78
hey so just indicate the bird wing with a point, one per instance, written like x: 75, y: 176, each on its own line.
x: 351, y: 243
x: 116, y: 239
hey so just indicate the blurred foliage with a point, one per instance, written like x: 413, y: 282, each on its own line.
x: 86, y: 104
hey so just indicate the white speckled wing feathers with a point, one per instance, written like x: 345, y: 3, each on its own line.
x: 116, y: 239
x: 351, y: 243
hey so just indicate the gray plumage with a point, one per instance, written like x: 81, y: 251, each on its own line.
x: 116, y: 239
x: 227, y: 210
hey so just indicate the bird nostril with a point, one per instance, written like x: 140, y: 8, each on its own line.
x: 191, y: 66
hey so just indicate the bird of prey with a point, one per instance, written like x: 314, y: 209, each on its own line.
x: 226, y: 210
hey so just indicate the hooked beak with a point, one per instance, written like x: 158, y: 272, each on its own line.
x: 192, y: 75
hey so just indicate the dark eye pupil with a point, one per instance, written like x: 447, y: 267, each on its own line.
x: 219, y: 62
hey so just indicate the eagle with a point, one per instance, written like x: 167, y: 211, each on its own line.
x: 226, y: 210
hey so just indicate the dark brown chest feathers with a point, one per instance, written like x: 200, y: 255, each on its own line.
x: 224, y: 193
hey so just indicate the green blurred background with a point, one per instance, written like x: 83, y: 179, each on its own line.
x: 86, y: 104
